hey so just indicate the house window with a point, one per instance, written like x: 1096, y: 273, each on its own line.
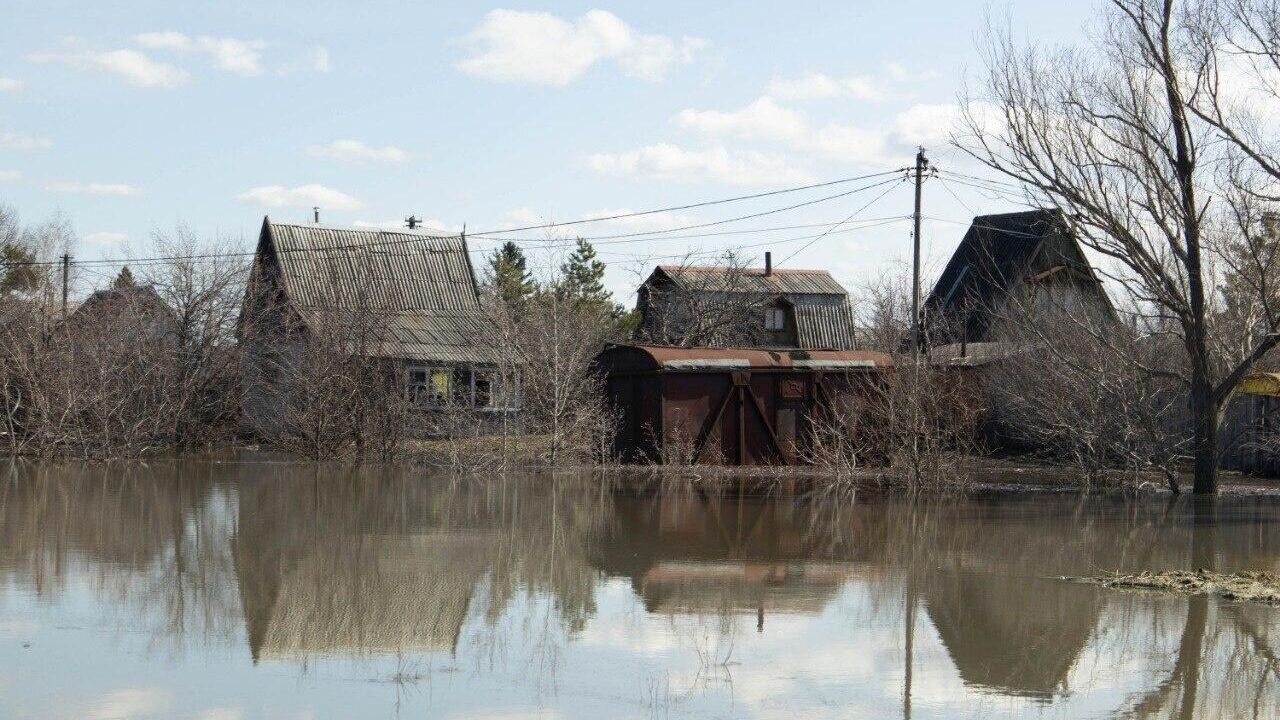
x: 428, y: 385
x: 775, y: 318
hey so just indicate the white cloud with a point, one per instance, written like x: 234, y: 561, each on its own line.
x: 134, y: 66
x: 761, y: 120
x: 355, y: 150
x: 242, y: 57
x: 926, y: 124
x: 9, y: 176
x: 106, y: 239
x: 8, y: 84
x: 669, y: 162
x: 222, y: 713
x: 128, y: 703
x: 543, y: 49
x: 18, y: 141
x: 93, y: 188
x: 818, y: 86
x: 320, y: 59
x: 279, y: 196
x: 766, y: 120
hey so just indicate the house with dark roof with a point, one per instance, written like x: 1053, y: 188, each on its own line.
x: 406, y: 298
x: 125, y: 309
x: 729, y: 306
x: 1003, y: 255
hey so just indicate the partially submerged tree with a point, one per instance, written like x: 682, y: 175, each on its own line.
x: 1138, y: 139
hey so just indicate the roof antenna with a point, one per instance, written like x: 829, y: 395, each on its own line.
x: 412, y: 221
x: 316, y: 210
x: 464, y: 232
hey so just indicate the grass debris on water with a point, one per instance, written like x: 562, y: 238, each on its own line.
x: 1253, y: 586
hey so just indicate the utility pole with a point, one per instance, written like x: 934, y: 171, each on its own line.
x: 66, y: 279
x: 922, y: 163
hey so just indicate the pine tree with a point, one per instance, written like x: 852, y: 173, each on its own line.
x: 582, y: 277
x: 17, y: 270
x: 124, y: 280
x: 508, y: 275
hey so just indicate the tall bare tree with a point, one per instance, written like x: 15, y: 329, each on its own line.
x: 1135, y: 137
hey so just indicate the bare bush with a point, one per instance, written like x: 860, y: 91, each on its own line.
x: 720, y: 305
x: 136, y: 368
x: 1097, y: 392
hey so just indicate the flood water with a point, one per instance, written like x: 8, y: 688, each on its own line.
x: 234, y: 591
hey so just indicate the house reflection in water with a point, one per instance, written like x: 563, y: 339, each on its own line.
x: 319, y: 576
x: 694, y: 552
x: 311, y: 562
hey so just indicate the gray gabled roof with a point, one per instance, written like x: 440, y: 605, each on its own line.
x: 421, y: 285
x: 780, y: 281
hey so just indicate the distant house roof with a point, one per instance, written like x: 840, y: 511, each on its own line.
x: 819, y: 304
x: 784, y: 281
x: 421, y: 285
x: 137, y: 302
x: 999, y: 251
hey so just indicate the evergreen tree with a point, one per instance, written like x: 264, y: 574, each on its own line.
x: 124, y: 280
x: 17, y: 273
x: 508, y: 275
x: 582, y: 277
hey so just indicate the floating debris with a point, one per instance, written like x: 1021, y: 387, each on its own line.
x: 1254, y: 586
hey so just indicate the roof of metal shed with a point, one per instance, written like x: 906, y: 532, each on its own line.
x: 661, y: 357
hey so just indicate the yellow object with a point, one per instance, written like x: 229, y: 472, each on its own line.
x: 1260, y: 383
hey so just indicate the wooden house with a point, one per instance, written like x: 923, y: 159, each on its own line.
x: 125, y: 310
x: 1028, y: 255
x: 714, y: 306
x: 405, y: 298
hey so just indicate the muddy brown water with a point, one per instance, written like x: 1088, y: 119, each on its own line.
x: 229, y: 591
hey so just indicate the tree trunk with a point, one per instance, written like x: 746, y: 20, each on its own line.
x: 1204, y: 439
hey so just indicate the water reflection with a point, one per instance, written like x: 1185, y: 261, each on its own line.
x: 580, y: 597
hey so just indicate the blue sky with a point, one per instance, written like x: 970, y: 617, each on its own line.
x: 134, y: 116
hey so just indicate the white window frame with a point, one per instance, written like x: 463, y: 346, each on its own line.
x: 775, y: 319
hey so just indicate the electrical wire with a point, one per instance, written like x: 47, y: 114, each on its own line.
x: 870, y: 202
x: 689, y: 206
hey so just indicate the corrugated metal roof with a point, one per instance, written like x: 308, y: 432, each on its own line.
x: 683, y: 358
x: 823, y: 316
x: 823, y: 325
x: 753, y: 280
x: 325, y: 266
x: 421, y: 285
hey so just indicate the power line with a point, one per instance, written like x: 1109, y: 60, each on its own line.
x: 619, y: 237
x: 869, y: 203
x: 870, y: 223
x: 691, y: 206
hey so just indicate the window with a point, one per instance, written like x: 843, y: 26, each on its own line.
x: 775, y: 318
x: 484, y: 389
x: 427, y: 385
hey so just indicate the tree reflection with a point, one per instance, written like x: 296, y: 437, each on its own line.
x: 306, y: 561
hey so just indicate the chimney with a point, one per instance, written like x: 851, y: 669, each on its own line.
x: 316, y: 210
x: 768, y: 263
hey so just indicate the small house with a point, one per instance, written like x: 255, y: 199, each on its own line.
x: 125, y: 310
x: 1025, y: 255
x: 724, y: 306
x: 404, y: 298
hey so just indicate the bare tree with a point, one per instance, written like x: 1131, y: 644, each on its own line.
x: 1127, y: 137
x: 705, y: 305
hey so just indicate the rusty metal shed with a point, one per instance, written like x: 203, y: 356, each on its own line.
x: 732, y: 406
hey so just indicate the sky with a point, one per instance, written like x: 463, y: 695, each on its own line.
x: 134, y: 117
